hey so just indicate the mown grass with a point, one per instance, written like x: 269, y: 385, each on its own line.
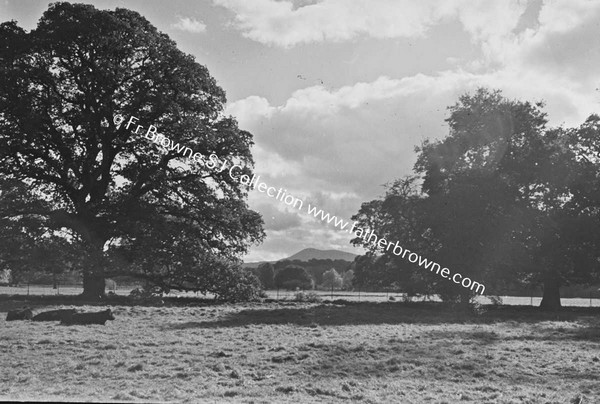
x: 301, y: 352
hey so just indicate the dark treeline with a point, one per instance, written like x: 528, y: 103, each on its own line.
x: 315, y: 268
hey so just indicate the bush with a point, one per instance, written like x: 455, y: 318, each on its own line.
x: 293, y: 277
x: 455, y: 296
x: 310, y: 297
x: 220, y: 276
x: 234, y: 284
x: 148, y: 294
x: 110, y: 284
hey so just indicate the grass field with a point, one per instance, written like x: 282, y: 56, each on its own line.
x: 299, y: 352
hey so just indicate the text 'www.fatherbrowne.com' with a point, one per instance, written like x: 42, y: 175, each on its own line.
x: 282, y: 195
x: 382, y: 244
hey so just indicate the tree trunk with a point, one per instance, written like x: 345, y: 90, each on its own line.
x: 93, y: 286
x: 93, y: 274
x: 551, y: 298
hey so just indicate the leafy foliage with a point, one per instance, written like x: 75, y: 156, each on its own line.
x: 316, y: 267
x: 235, y: 284
x: 292, y: 277
x: 332, y: 280
x: 348, y: 279
x: 503, y: 199
x: 266, y: 274
x: 126, y: 206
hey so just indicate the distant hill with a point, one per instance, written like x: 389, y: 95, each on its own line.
x: 309, y: 253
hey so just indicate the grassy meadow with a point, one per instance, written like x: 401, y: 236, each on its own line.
x: 304, y: 352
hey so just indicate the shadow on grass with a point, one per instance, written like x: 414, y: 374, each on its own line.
x: 11, y: 302
x: 385, y: 313
x: 472, y: 357
x: 587, y: 330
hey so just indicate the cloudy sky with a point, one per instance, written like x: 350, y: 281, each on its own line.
x: 338, y: 92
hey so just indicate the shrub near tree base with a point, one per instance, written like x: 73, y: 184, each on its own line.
x: 237, y: 285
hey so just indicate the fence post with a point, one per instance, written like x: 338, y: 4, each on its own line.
x: 531, y: 299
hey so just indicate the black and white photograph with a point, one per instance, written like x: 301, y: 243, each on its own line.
x: 300, y: 201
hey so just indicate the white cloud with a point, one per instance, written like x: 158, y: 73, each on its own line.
x: 565, y: 15
x: 190, y: 25
x: 276, y: 219
x: 565, y: 43
x: 251, y: 107
x: 280, y: 23
x: 338, y: 146
x: 281, y: 244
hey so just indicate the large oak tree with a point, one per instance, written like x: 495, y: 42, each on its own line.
x: 515, y: 200
x: 129, y: 206
x: 504, y: 199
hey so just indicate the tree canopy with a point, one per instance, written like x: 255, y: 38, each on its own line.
x: 332, y: 279
x: 265, y: 272
x: 503, y: 199
x: 128, y: 206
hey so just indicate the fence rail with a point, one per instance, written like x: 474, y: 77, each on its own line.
x: 356, y: 296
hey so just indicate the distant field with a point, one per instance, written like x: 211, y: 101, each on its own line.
x: 306, y: 353
x: 287, y: 295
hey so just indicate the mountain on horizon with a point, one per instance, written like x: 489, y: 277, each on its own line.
x: 309, y: 253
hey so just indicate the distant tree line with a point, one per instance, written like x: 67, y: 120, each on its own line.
x: 315, y: 273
